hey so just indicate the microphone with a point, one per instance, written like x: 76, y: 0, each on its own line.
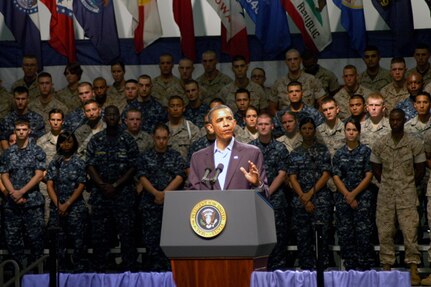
x: 205, y: 178
x: 218, y: 170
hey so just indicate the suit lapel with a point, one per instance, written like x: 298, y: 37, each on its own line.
x: 233, y: 164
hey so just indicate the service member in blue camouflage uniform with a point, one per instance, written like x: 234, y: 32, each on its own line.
x: 309, y: 169
x: 21, y: 112
x: 76, y: 118
x: 66, y: 179
x: 355, y: 200
x: 275, y: 157
x: 21, y: 169
x: 195, y: 109
x: 297, y: 105
x: 159, y: 170
x: 152, y: 111
x: 111, y: 159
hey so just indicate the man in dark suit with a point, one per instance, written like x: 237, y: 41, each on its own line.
x: 242, y: 163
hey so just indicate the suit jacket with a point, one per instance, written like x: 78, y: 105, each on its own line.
x: 235, y: 179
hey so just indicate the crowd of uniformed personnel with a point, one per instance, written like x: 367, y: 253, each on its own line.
x: 97, y: 159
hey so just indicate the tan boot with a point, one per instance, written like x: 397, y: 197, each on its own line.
x: 415, y: 279
x: 386, y: 267
x: 426, y: 281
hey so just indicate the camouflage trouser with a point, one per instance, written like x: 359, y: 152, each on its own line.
x: 124, y: 220
x: 151, y: 220
x: 278, y: 257
x: 305, y: 224
x: 24, y: 228
x: 355, y: 229
x: 73, y: 229
x: 408, y: 220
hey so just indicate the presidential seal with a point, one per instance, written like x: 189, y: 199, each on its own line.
x: 208, y: 218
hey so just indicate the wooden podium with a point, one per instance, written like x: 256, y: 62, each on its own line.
x: 227, y: 259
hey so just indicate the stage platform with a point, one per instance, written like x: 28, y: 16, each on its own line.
x: 258, y: 279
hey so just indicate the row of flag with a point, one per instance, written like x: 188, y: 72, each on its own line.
x: 97, y: 18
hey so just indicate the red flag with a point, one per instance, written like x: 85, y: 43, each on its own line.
x: 234, y: 39
x: 237, y: 45
x: 183, y: 15
x: 62, y: 34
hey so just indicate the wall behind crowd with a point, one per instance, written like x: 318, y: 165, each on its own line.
x: 207, y: 31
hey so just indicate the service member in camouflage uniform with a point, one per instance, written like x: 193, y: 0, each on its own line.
x: 212, y: 80
x: 196, y: 109
x: 396, y: 91
x: 398, y: 161
x: 376, y: 125
x: 21, y: 112
x: 21, y: 169
x: 414, y: 85
x: 275, y: 157
x: 160, y: 170
x: 182, y: 132
x: 76, y: 118
x: 351, y: 87
x: 309, y: 169
x: 374, y: 77
x: 111, y: 159
x: 66, y: 179
x: 152, y: 112
x: 29, y: 67
x: 355, y: 200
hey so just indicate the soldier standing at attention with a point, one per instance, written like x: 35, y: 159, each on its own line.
x: 398, y: 161
x: 21, y: 169
x: 111, y: 158
x: 159, y: 170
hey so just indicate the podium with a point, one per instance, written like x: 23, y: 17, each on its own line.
x: 227, y: 259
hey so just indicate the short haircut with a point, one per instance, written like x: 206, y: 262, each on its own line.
x: 99, y: 79
x: 20, y: 90
x: 211, y: 112
x: 243, y: 91
x: 398, y: 60
x: 56, y: 111
x: 264, y: 116
x: 307, y: 120
x: 131, y: 81
x: 259, y: 69
x: 376, y: 96
x: 398, y: 111
x: 294, y: 83
x: 44, y: 75
x: 83, y: 84
x: 357, y: 96
x: 372, y: 48
x: 189, y: 82
x: 175, y: 97
x: 144, y: 76
x: 217, y: 100
x: 308, y: 55
x: 160, y: 126
x: 290, y: 113
x: 350, y: 67
x: 167, y: 55
x: 238, y: 58
x: 91, y: 101
x: 353, y: 121
x: 133, y: 110
x: 327, y: 100
x: 422, y: 46
x: 64, y: 136
x: 22, y: 121
x: 423, y: 93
